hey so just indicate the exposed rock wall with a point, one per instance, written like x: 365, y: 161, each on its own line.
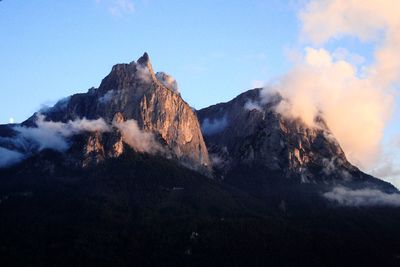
x: 257, y: 134
x: 134, y: 91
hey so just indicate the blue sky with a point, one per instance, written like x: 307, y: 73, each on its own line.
x: 51, y: 49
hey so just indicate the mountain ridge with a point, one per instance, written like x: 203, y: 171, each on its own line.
x: 152, y: 110
x: 126, y: 175
x: 244, y: 130
x: 254, y: 133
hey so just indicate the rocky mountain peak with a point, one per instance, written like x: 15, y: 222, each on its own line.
x: 248, y: 130
x: 139, y: 109
x: 144, y: 60
x: 144, y: 65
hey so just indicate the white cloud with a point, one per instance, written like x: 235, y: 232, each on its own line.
x: 362, y: 197
x: 388, y: 170
x: 388, y: 166
x: 121, y: 7
x: 143, y: 73
x: 54, y: 135
x: 139, y: 140
x: 210, y: 127
x: 118, y: 7
x: 371, y: 20
x: 107, y: 97
x: 257, y: 84
x: 355, y: 99
x: 49, y: 134
x: 251, y: 105
x: 355, y: 109
x: 46, y: 134
x: 345, y: 55
x: 9, y: 157
x: 168, y: 81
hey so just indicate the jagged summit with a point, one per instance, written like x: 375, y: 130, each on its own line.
x: 103, y: 178
x: 149, y: 107
x: 248, y: 131
x: 144, y: 60
x: 136, y: 107
x: 137, y: 75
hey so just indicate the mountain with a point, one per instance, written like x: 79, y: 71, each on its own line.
x: 121, y: 176
x: 134, y: 106
x: 248, y: 131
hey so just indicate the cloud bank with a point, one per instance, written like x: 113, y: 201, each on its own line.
x: 253, y: 105
x: 46, y: 135
x: 362, y: 197
x: 143, y: 73
x: 210, y: 127
x: 356, y: 100
x: 54, y: 135
x: 49, y: 134
x: 168, y: 81
x: 139, y: 140
x: 107, y: 97
x: 9, y: 157
x: 355, y: 109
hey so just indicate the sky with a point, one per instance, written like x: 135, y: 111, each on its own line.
x: 51, y: 49
x: 215, y: 50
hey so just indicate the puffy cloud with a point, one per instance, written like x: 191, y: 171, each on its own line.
x: 136, y: 138
x: 251, y: 105
x: 85, y: 125
x: 355, y: 109
x: 355, y: 99
x: 143, y: 73
x: 257, y: 84
x: 344, y: 54
x: 60, y: 105
x: 332, y: 167
x: 362, y: 197
x: 54, y: 135
x: 370, y: 20
x: 168, y: 81
x: 50, y: 134
x: 107, y: 97
x: 326, y: 19
x: 46, y: 134
x: 210, y: 127
x: 388, y: 167
x: 387, y: 170
x: 9, y: 157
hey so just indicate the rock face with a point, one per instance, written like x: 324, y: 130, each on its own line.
x: 247, y: 130
x: 135, y: 107
x: 135, y: 93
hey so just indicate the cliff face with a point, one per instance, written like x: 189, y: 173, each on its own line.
x: 135, y: 107
x: 133, y: 92
x: 248, y: 130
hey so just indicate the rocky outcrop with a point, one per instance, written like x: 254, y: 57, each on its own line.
x: 133, y: 91
x: 134, y: 107
x: 247, y: 130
